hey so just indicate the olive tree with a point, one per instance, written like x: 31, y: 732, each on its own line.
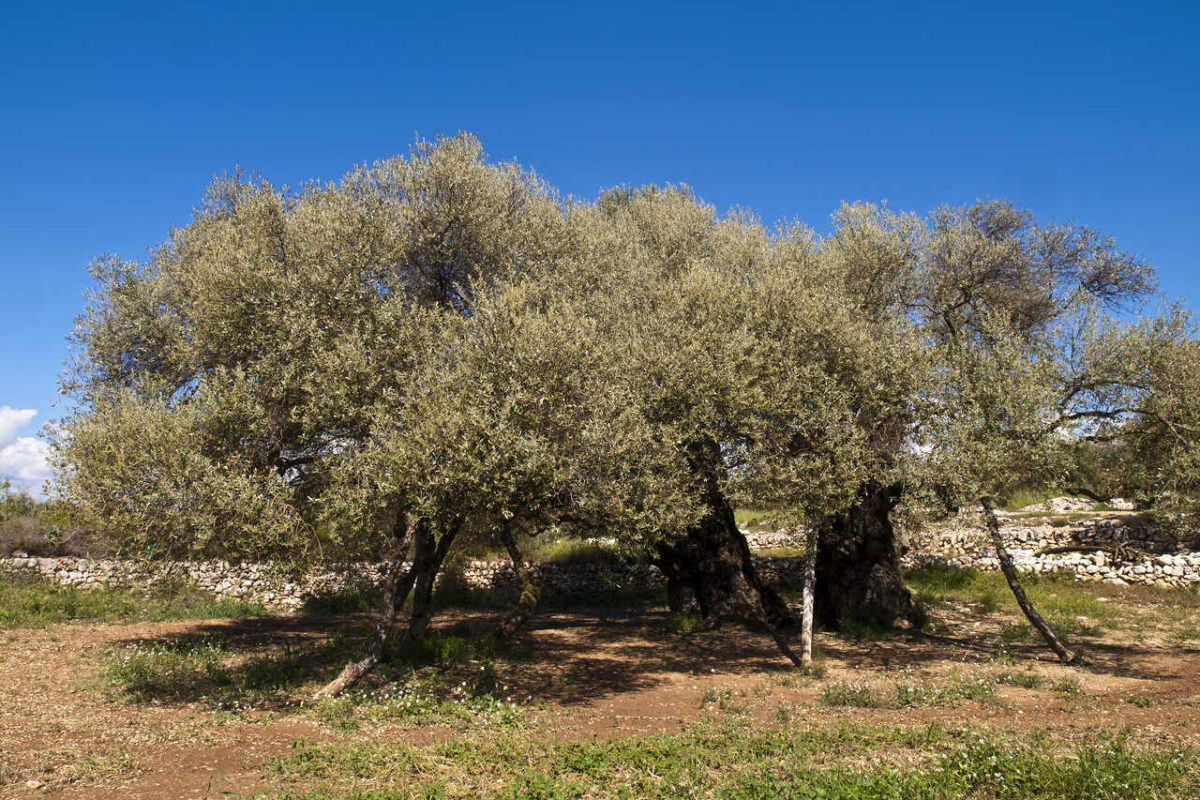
x: 1032, y: 359
x: 220, y: 386
x: 743, y: 346
x: 516, y: 425
x: 964, y: 279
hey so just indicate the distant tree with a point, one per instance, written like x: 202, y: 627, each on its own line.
x: 1159, y: 446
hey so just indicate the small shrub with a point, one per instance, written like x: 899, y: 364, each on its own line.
x: 36, y: 601
x: 715, y: 694
x: 1069, y: 686
x: 1026, y: 679
x: 853, y: 695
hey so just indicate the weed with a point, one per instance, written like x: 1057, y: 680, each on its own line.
x: 715, y: 694
x: 975, y: 687
x: 854, y: 695
x: 1068, y: 686
x: 107, y: 765
x: 1025, y: 679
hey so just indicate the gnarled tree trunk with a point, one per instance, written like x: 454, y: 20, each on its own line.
x: 710, y: 565
x: 531, y: 590
x: 858, y: 565
x: 429, y: 553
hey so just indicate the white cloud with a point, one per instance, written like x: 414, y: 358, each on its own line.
x: 11, y: 421
x: 23, y: 459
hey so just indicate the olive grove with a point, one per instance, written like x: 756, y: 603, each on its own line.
x: 438, y: 349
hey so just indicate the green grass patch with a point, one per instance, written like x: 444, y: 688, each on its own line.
x: 35, y: 602
x: 481, y: 700
x: 443, y: 678
x: 852, y: 695
x: 1024, y: 679
x: 733, y: 761
x: 975, y: 686
x: 763, y: 519
x: 1070, y: 606
x: 206, y: 668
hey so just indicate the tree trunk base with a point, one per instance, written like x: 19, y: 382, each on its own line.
x: 531, y: 592
x: 709, y: 570
x: 858, y: 577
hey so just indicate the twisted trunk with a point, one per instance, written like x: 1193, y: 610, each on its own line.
x: 858, y: 573
x: 397, y: 583
x: 429, y: 554
x: 709, y: 568
x: 531, y: 590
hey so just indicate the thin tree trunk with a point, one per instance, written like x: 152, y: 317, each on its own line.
x: 427, y: 563
x: 397, y: 583
x: 806, y: 608
x: 1010, y: 574
x: 531, y: 590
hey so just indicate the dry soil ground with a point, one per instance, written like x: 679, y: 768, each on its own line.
x: 67, y: 731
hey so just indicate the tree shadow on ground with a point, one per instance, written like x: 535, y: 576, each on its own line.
x: 564, y: 656
x: 978, y: 638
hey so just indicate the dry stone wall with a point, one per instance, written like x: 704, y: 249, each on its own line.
x: 1116, y: 549
x: 276, y: 589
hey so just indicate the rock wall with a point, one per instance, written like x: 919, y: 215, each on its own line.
x: 1115, y: 549
x: 276, y: 589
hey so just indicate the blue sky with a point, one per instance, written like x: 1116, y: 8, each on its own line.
x: 116, y: 115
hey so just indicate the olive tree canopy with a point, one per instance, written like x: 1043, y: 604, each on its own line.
x: 437, y: 344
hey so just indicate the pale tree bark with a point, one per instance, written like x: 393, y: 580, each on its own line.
x: 806, y: 607
x: 397, y: 583
x: 531, y: 590
x: 1010, y: 574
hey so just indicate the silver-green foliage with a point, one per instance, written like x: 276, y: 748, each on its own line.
x: 296, y: 372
